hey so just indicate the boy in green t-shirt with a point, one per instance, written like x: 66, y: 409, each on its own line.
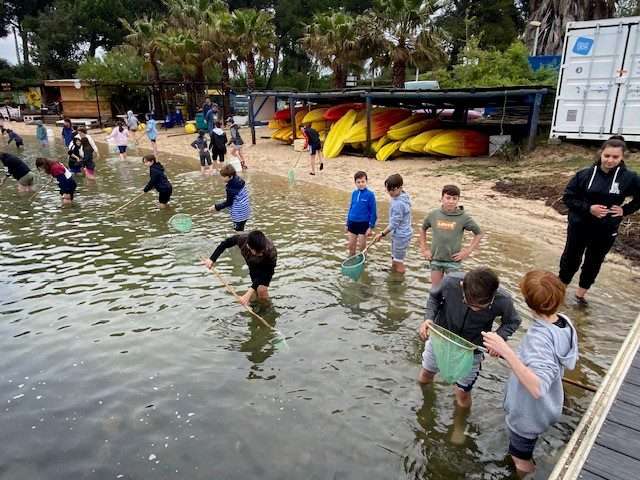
x: 448, y: 224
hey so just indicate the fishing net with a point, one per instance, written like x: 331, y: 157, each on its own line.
x: 353, y: 267
x: 454, y: 354
x: 292, y: 176
x: 181, y: 222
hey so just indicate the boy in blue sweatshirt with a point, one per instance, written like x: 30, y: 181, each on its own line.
x: 237, y: 200
x: 534, y: 395
x: 399, y: 222
x: 362, y: 216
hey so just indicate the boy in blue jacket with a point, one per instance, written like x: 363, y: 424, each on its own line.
x: 399, y: 222
x: 534, y: 395
x: 362, y: 216
x: 237, y: 200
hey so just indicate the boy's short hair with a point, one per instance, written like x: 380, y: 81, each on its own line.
x: 543, y: 291
x: 480, y: 285
x: 82, y: 129
x: 218, y: 123
x: 201, y: 133
x: 393, y: 181
x: 228, y: 170
x: 257, y: 241
x: 360, y: 174
x: 452, y: 190
x: 149, y: 158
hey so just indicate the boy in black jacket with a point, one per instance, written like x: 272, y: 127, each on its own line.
x: 595, y: 197
x: 218, y: 144
x: 158, y: 180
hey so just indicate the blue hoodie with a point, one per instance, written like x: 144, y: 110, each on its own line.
x: 547, y: 349
x: 237, y: 199
x: 363, y: 207
x: 400, y: 216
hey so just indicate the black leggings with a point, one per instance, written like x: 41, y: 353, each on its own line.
x: 590, y: 242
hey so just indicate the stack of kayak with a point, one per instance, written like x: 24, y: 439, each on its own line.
x: 394, y: 132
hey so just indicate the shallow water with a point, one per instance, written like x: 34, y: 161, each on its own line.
x: 123, y: 358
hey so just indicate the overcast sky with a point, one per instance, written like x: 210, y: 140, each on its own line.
x: 8, y: 49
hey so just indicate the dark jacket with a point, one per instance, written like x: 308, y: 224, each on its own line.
x: 446, y: 308
x: 218, y: 141
x: 236, y: 139
x: 67, y: 135
x: 261, y: 267
x: 15, y: 167
x: 14, y: 136
x: 233, y: 188
x: 200, y: 144
x: 313, y: 138
x: 158, y: 179
x: 592, y: 186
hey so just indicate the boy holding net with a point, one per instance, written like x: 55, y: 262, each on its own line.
x: 362, y: 216
x: 534, y: 395
x: 448, y: 224
x: 467, y: 305
x: 237, y: 200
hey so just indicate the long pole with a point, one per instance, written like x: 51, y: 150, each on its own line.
x: 535, y: 41
x: 15, y: 38
x: 95, y: 86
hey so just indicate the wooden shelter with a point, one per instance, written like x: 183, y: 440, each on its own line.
x: 81, y: 99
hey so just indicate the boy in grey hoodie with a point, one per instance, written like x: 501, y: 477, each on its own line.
x: 399, y: 222
x: 534, y: 395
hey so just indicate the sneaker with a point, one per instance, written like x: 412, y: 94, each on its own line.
x: 311, y: 173
x: 321, y: 166
x: 581, y: 300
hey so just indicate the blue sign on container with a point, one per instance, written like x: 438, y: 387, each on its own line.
x: 582, y: 46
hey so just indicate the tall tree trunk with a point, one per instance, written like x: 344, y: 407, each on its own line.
x: 276, y: 64
x: 251, y: 72
x: 226, y: 87
x: 339, y: 77
x: 398, y: 71
x: 24, y: 35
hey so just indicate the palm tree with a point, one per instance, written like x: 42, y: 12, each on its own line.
x: 334, y: 39
x: 254, y: 34
x: 144, y: 35
x: 402, y: 33
x: 554, y: 16
x: 182, y: 50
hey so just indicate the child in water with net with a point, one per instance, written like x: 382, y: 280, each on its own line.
x: 534, y: 395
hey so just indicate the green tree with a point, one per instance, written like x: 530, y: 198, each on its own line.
x: 334, y: 40
x: 254, y: 35
x: 145, y: 37
x: 120, y: 64
x: 402, y: 33
x: 14, y: 14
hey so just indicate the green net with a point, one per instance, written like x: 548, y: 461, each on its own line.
x: 181, y: 222
x: 454, y: 354
x: 292, y: 176
x: 353, y: 267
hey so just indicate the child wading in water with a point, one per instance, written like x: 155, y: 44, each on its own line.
x: 41, y: 134
x: 218, y: 143
x: 200, y: 144
x: 237, y: 198
x: 89, y: 148
x: 448, y: 223
x: 362, y: 214
x: 120, y: 136
x: 312, y: 139
x: 152, y: 132
x: 534, y: 395
x: 13, y: 136
x: 75, y: 156
x: 399, y: 222
x: 158, y: 180
x: 64, y: 177
x: 67, y: 133
x: 236, y: 142
x: 19, y: 170
x: 261, y: 257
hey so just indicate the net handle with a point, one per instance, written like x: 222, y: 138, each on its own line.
x: 464, y: 347
x: 129, y: 202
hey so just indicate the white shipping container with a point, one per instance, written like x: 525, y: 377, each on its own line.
x: 599, y: 85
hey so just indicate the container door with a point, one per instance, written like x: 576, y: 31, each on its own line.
x: 627, y: 117
x: 588, y: 89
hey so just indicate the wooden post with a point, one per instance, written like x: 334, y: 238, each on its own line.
x: 368, y: 148
x: 252, y: 119
x: 95, y: 86
x: 292, y: 111
x: 534, y: 116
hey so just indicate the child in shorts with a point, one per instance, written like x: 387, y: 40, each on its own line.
x: 13, y: 136
x: 312, y: 138
x: 200, y: 144
x: 75, y: 156
x: 448, y: 224
x: 362, y: 215
x: 158, y: 180
x: 57, y: 170
x: 218, y: 143
x: 534, y: 395
x: 237, y: 200
x: 41, y: 134
x: 19, y: 170
x: 399, y: 222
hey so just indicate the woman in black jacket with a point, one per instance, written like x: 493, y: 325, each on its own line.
x: 595, y: 197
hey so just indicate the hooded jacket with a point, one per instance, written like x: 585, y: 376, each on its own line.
x: 158, y: 179
x: 237, y: 199
x: 16, y: 168
x: 132, y: 121
x: 218, y: 140
x: 363, y: 207
x: 151, y: 129
x: 41, y: 132
x: 547, y: 349
x: 400, y: 216
x: 120, y: 138
x: 200, y: 144
x: 445, y: 306
x: 592, y: 186
x: 236, y: 139
x: 67, y: 136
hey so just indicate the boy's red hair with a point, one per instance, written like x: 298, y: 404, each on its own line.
x: 543, y: 291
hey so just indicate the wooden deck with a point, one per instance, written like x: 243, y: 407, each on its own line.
x: 615, y: 454
x: 606, y: 443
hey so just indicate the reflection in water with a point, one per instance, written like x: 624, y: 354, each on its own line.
x: 117, y: 343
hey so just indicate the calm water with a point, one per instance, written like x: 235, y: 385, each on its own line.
x: 123, y: 358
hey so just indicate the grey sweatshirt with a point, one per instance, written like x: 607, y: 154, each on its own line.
x: 400, y: 216
x: 446, y: 308
x: 547, y: 350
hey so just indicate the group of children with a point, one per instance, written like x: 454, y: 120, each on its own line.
x: 212, y: 154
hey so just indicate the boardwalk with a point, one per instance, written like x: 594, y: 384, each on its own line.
x: 606, y: 443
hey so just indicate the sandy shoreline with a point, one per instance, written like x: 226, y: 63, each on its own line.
x: 494, y: 211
